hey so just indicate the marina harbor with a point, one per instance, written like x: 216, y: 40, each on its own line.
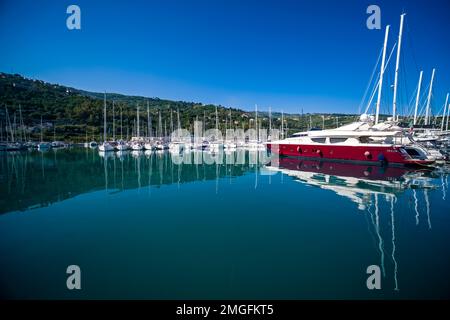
x: 225, y: 155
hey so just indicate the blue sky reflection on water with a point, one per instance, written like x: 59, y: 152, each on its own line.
x: 302, y: 229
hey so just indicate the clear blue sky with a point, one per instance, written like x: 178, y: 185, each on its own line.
x: 315, y: 55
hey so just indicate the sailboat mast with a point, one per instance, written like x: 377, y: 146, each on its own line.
x: 150, y: 127
x: 114, y: 125
x: 148, y: 120
x: 160, y: 125
x: 380, y: 85
x: 137, y: 121
x: 21, y: 124
x: 42, y: 129
x: 13, y: 128
x: 178, y: 124
x: 104, y: 117
x: 171, y: 121
x: 270, y: 120
x: 204, y: 123
x: 417, y: 97
x: 121, y: 123
x: 217, y: 120
x: 256, y: 121
x: 448, y: 114
x: 427, y: 110
x: 6, y: 122
x: 443, y: 115
x: 397, y: 64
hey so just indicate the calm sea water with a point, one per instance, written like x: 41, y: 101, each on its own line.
x: 140, y: 226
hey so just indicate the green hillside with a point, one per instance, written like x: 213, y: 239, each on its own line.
x: 73, y: 112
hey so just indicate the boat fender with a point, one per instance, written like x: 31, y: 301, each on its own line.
x: 319, y: 152
x: 368, y: 155
x: 382, y: 159
x: 299, y: 150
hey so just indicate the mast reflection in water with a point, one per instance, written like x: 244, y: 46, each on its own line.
x: 142, y: 225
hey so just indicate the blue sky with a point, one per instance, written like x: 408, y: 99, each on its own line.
x: 315, y: 55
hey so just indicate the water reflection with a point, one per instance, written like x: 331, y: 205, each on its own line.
x: 36, y: 179
x: 359, y: 183
x: 32, y: 179
x: 368, y: 187
x: 380, y: 209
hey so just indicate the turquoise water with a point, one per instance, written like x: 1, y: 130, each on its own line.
x: 140, y: 226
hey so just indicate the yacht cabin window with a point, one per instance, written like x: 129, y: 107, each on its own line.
x: 337, y: 140
x: 318, y: 140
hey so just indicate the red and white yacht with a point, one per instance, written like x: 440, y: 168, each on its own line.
x: 344, y: 144
x: 367, y: 141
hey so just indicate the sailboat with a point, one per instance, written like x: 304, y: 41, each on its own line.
x: 121, y: 144
x: 176, y: 145
x: 3, y: 145
x: 160, y: 144
x: 255, y: 143
x: 215, y: 145
x: 86, y: 143
x: 105, y: 146
x: 56, y: 144
x: 42, y: 146
x: 11, y: 145
x: 137, y: 145
x: 149, y: 144
x: 230, y: 144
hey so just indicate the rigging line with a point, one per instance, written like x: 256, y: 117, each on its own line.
x: 422, y: 111
x: 370, y: 81
x: 440, y: 110
x: 388, y: 97
x: 422, y: 103
x: 410, y: 104
x: 373, y: 94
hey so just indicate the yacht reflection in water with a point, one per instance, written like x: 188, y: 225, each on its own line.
x: 373, y: 189
x: 359, y: 183
x: 38, y: 179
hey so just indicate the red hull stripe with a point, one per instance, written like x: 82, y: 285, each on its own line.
x: 366, y: 154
